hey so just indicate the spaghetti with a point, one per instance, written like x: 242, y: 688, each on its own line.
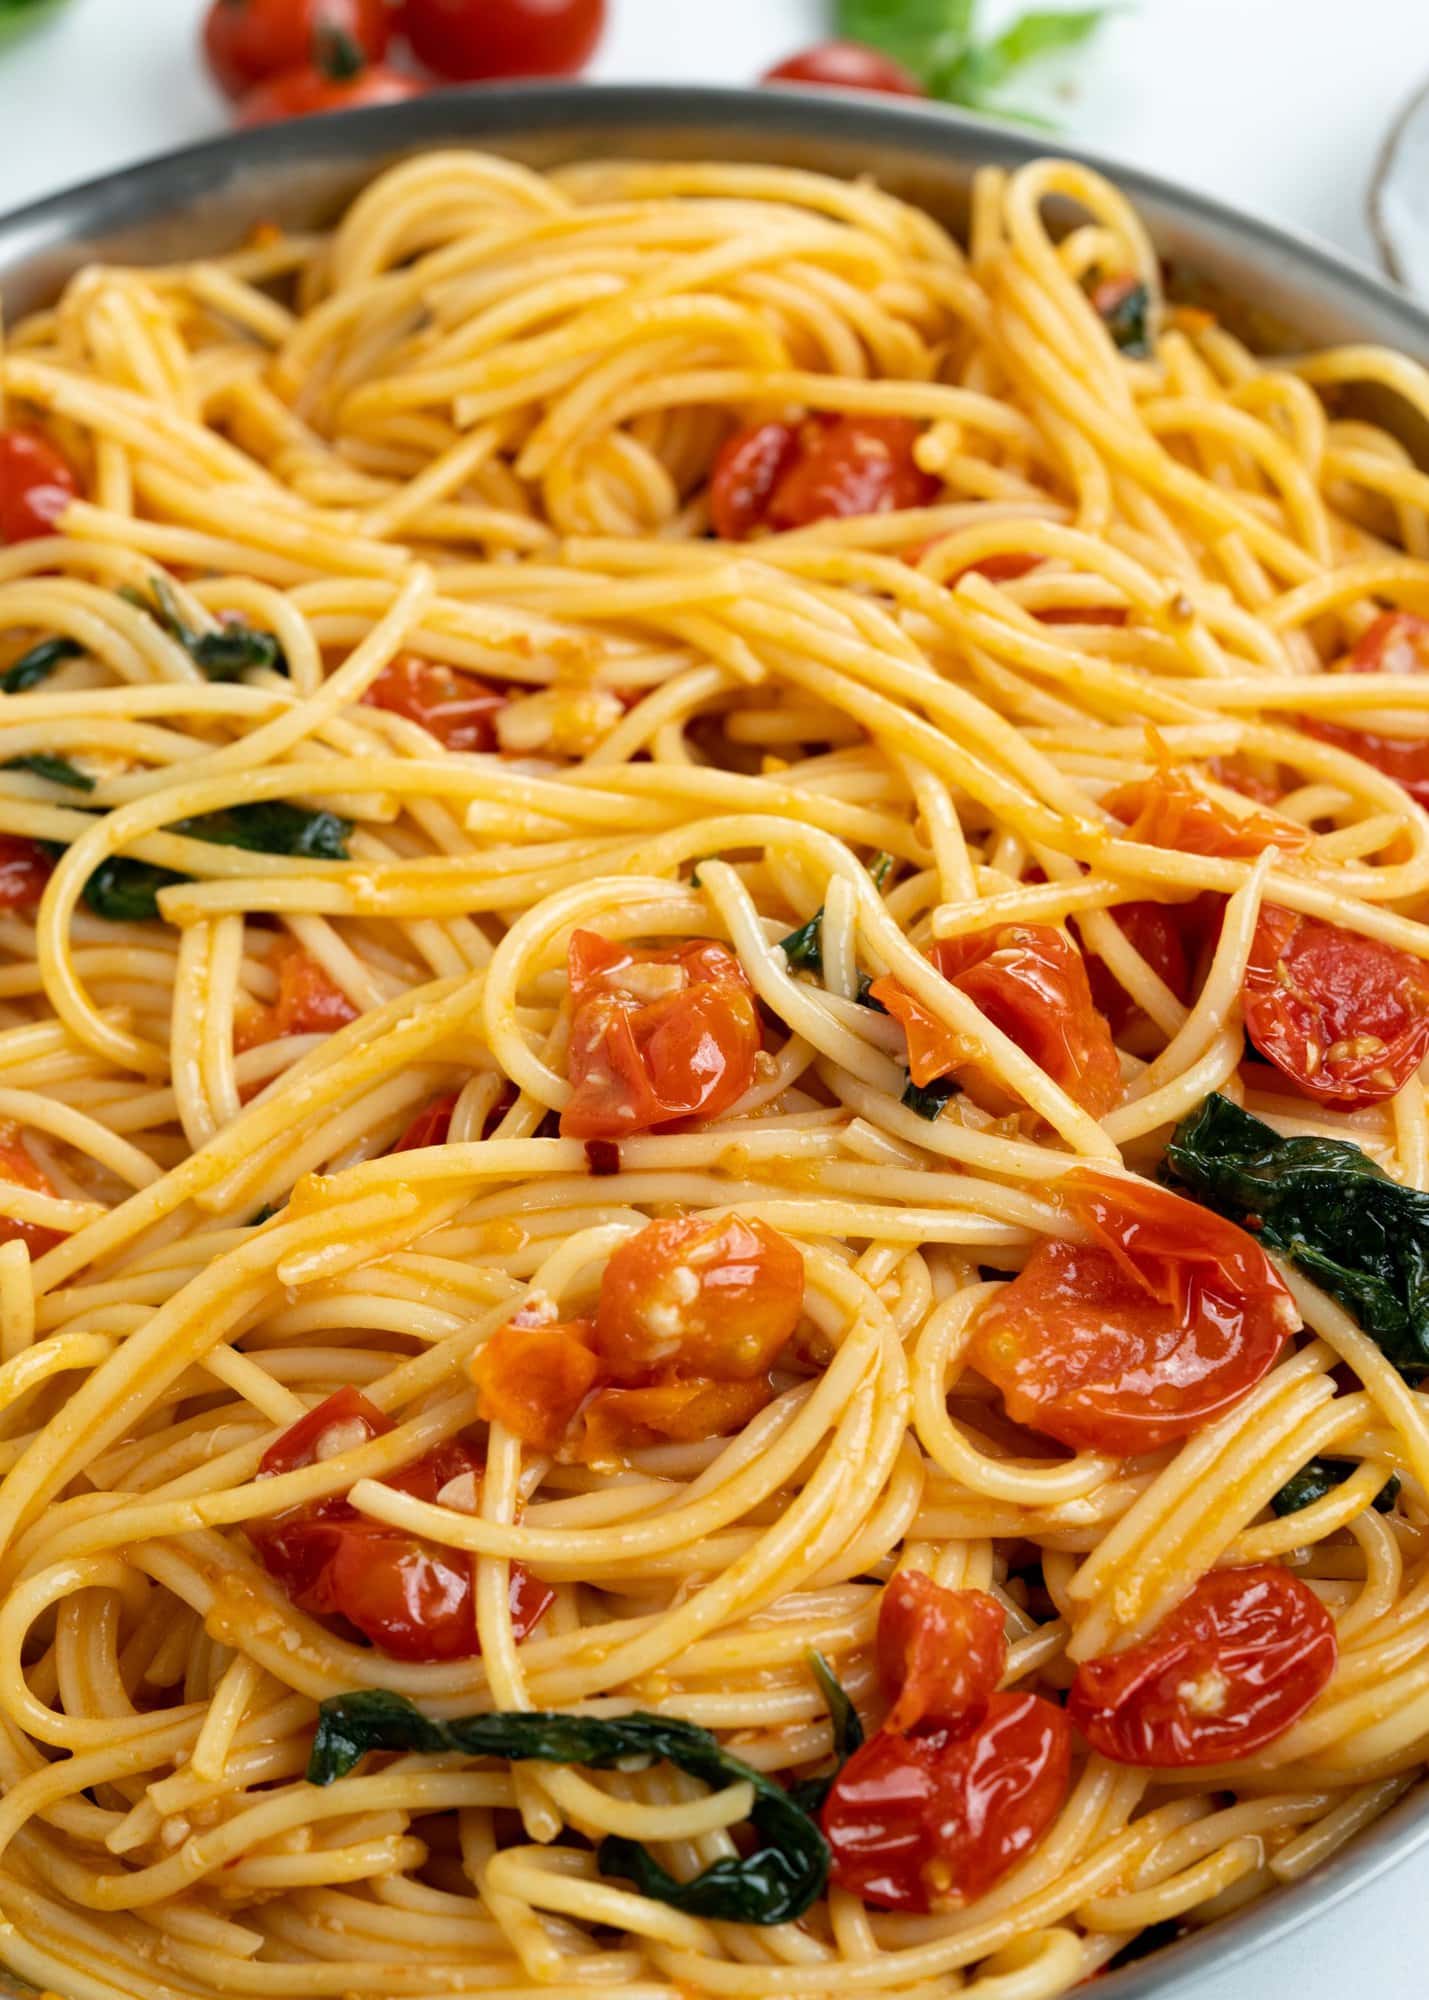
x: 636, y: 804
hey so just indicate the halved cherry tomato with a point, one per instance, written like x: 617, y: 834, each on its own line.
x: 467, y: 40
x: 1157, y: 930
x: 534, y: 1375
x: 680, y: 1410
x: 1396, y: 643
x: 929, y: 1822
x: 656, y: 1036
x: 1161, y: 1323
x: 712, y: 1297
x: 299, y: 93
x: 247, y: 41
x: 456, y: 708
x: 19, y: 1170
x: 1031, y: 982
x: 846, y: 66
x: 308, y: 1002
x: 941, y: 1653
x: 1170, y: 810
x: 1345, y: 1017
x: 429, y: 1127
x: 787, y: 475
x: 37, y: 483
x: 24, y: 870
x: 1222, y: 1675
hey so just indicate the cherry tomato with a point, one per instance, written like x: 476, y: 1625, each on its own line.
x: 846, y: 66
x: 1158, y: 932
x: 345, y: 1420
x: 712, y: 1297
x: 429, y: 1127
x: 929, y: 1822
x: 308, y: 1002
x: 1162, y: 1322
x: 1170, y: 810
x: 1031, y: 982
x: 24, y: 870
x: 299, y: 93
x: 37, y: 483
x: 456, y: 708
x: 466, y: 40
x: 682, y: 1410
x: 19, y: 1170
x: 247, y: 41
x: 534, y: 1376
x: 1345, y: 1017
x: 787, y: 475
x: 1396, y: 643
x: 1222, y: 1675
x: 941, y: 1653
x: 656, y: 1036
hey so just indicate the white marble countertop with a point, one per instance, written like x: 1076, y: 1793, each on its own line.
x: 1277, y: 106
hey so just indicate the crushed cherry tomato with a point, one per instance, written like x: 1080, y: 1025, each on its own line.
x: 656, y: 1036
x: 1031, y: 982
x: 308, y: 1002
x: 247, y: 41
x: 534, y: 1375
x: 1170, y: 810
x: 466, y: 41
x: 37, y: 483
x: 941, y: 1653
x: 1221, y: 1676
x: 456, y: 708
x: 718, y: 1297
x: 1345, y: 1017
x: 25, y: 868
x: 681, y: 1410
x: 846, y: 66
x: 1396, y: 643
x: 786, y: 475
x: 19, y: 1170
x: 429, y: 1127
x: 1158, y: 933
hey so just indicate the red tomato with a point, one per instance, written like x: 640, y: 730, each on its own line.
x: 37, y: 483
x: 930, y: 1822
x: 1169, y: 810
x: 247, y: 41
x: 534, y: 1378
x: 429, y: 1127
x: 712, y: 1297
x: 941, y: 1653
x: 656, y: 1036
x: 846, y: 66
x: 1222, y: 1675
x: 1396, y: 643
x: 24, y: 870
x: 786, y: 475
x: 298, y: 93
x: 1031, y: 982
x: 345, y: 1420
x: 1158, y: 932
x: 308, y: 1003
x: 682, y: 1410
x: 19, y: 1170
x: 1161, y: 1323
x: 1345, y: 1017
x: 466, y: 40
x: 456, y: 708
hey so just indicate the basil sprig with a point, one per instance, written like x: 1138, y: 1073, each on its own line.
x: 938, y: 40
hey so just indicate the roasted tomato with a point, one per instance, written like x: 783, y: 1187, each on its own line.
x: 656, y: 1036
x: 1170, y: 810
x: 1396, y: 643
x: 19, y: 1170
x: 929, y: 1821
x: 412, y: 1599
x: 429, y: 1127
x: 846, y: 66
x: 1162, y: 1322
x: 37, y: 483
x: 247, y: 41
x: 468, y: 40
x: 456, y: 708
x: 787, y: 475
x: 714, y: 1297
x: 533, y: 1376
x: 678, y: 1410
x: 1345, y: 1017
x: 941, y: 1653
x: 1222, y: 1675
x: 1031, y: 982
x: 24, y: 870
x: 308, y: 1002
x: 1158, y: 932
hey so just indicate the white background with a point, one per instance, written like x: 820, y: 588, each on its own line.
x: 1278, y: 106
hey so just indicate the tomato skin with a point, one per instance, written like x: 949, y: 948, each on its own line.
x: 24, y: 870
x: 247, y: 41
x: 456, y: 708
x: 846, y: 66
x: 37, y: 483
x: 467, y: 40
x: 308, y: 1002
x: 297, y: 1447
x: 300, y: 93
x: 929, y: 1822
x: 680, y: 1410
x: 717, y: 1297
x: 1221, y: 1676
x: 637, y: 1062
x: 430, y: 1127
x: 1031, y: 982
x: 534, y: 1377
x: 1396, y: 643
x: 1164, y: 1321
x: 19, y: 1170
x: 1158, y: 932
x: 1344, y: 1017
x: 747, y: 469
x: 941, y: 1653
x: 828, y: 467
x: 1169, y: 810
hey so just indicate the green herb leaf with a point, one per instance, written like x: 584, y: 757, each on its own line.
x: 881, y: 867
x: 773, y: 1885
x: 223, y: 654
x: 57, y: 769
x: 917, y: 33
x: 1128, y: 320
x: 272, y: 826
x: 928, y: 1099
x: 1042, y: 33
x: 1321, y: 1476
x: 1361, y: 1236
x: 38, y: 664
x: 809, y: 1793
x: 864, y: 995
x: 127, y: 892
x: 804, y: 948
x: 938, y: 42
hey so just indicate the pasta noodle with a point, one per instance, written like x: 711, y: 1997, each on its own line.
x: 475, y: 426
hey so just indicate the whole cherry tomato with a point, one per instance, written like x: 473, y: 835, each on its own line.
x: 37, y: 483
x: 308, y: 1002
x: 1222, y: 1675
x: 1396, y: 643
x: 17, y: 1169
x: 456, y: 708
x: 846, y: 66
x: 1162, y: 1322
x: 712, y: 1297
x: 656, y: 1036
x: 25, y: 868
x: 332, y: 85
x: 786, y: 475
x: 248, y: 41
x: 1345, y: 1017
x: 941, y: 1653
x: 1171, y: 810
x: 429, y: 1127
x: 467, y: 40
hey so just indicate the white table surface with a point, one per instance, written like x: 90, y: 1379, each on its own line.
x: 1278, y: 106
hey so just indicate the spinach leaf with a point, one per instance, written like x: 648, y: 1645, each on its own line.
x: 938, y: 41
x: 58, y: 770
x: 864, y: 995
x: 809, y: 1793
x: 928, y: 1099
x: 38, y: 664
x: 1127, y: 317
x: 222, y: 655
x: 773, y: 1885
x: 1321, y: 1476
x: 1361, y: 1236
x: 804, y: 948
x: 127, y: 891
